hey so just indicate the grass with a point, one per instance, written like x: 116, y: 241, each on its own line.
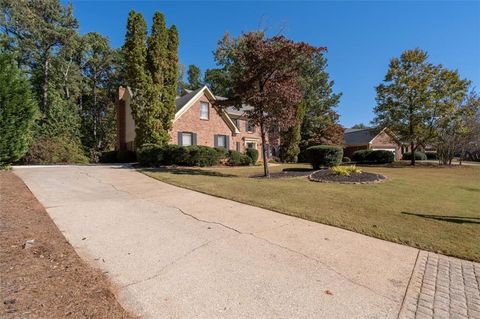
x: 432, y: 208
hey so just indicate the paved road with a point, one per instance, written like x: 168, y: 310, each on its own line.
x: 176, y: 253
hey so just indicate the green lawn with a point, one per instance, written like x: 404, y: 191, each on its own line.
x: 436, y: 209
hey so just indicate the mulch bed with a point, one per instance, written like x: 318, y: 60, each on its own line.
x: 326, y: 176
x: 286, y: 173
x: 44, y: 278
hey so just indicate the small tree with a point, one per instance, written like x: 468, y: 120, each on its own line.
x: 264, y: 74
x: 18, y: 110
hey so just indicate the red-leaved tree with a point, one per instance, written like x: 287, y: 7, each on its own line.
x: 264, y: 74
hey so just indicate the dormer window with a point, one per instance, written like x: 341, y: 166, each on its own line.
x: 203, y: 110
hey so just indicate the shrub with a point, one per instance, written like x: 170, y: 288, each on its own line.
x: 54, y: 150
x: 222, y: 152
x: 419, y: 156
x: 123, y: 156
x: 324, y: 155
x: 150, y: 155
x: 345, y: 170
x: 346, y: 159
x: 108, y: 157
x: 360, y: 156
x: 18, y: 111
x: 203, y: 156
x: 253, y: 154
x: 431, y: 156
x: 373, y: 156
x: 380, y: 157
x: 195, y: 155
x: 237, y: 159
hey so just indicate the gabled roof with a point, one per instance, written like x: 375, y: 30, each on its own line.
x: 359, y: 136
x: 184, y: 102
x: 184, y: 99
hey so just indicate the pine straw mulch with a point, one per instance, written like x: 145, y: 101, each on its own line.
x: 47, y: 279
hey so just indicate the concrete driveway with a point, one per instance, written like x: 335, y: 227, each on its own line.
x: 176, y: 253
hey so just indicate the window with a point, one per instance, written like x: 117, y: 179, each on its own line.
x: 250, y: 127
x: 237, y: 123
x: 251, y: 145
x: 187, y: 139
x: 204, y: 110
x: 221, y: 141
x: 238, y: 146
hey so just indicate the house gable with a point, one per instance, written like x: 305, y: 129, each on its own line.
x: 188, y: 120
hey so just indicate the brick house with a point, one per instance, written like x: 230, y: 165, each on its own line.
x: 196, y: 122
x: 372, y: 139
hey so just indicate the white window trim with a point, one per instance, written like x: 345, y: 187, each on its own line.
x: 202, y: 117
x: 191, y: 138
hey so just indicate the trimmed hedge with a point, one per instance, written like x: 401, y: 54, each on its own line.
x: 324, y: 155
x: 419, y: 156
x: 118, y: 157
x: 195, y: 155
x: 253, y: 154
x: 346, y: 159
x: 238, y: 159
x: 431, y: 156
x: 373, y: 156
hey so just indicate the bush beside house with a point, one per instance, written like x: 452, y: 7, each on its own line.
x: 373, y: 157
x: 196, y: 155
x: 324, y: 155
x: 419, y: 156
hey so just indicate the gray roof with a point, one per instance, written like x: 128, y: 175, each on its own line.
x: 238, y: 112
x: 230, y: 110
x: 359, y: 136
x: 182, y: 100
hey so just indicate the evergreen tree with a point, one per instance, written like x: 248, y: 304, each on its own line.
x: 39, y: 28
x: 18, y: 110
x: 194, y: 81
x: 135, y: 55
x: 156, y: 64
x: 171, y: 77
x: 290, y: 139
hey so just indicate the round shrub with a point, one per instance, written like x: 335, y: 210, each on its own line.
x: 203, y: 156
x: 237, y: 159
x: 346, y: 159
x: 324, y: 155
x: 151, y: 155
x: 253, y: 154
x: 419, y: 156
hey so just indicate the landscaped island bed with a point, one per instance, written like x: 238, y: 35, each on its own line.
x: 432, y: 208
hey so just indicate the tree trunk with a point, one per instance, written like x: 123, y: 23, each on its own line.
x: 412, y: 151
x: 94, y: 110
x: 266, y: 171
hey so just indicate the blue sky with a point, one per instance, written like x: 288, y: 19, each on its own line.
x: 361, y: 36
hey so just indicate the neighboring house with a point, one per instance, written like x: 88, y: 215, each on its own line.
x: 196, y: 122
x: 372, y: 139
